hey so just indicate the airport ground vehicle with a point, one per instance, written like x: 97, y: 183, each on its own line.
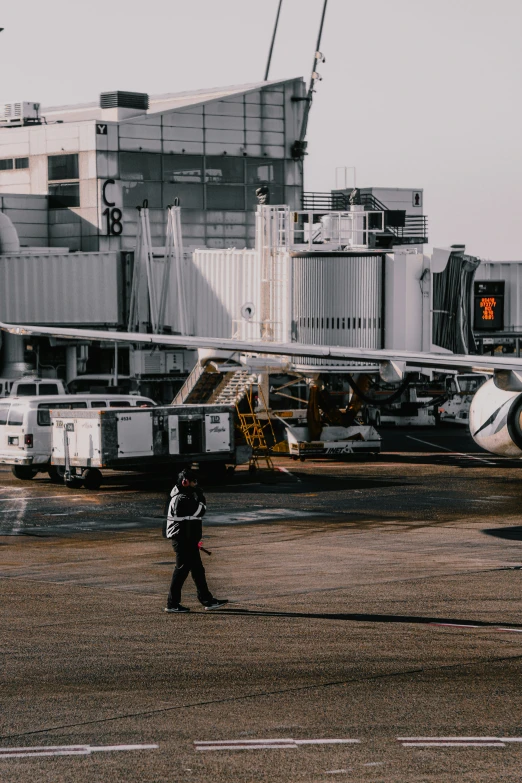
x: 461, y: 390
x: 417, y: 406
x: 333, y: 441
x: 165, y: 437
x: 25, y: 427
x: 29, y: 386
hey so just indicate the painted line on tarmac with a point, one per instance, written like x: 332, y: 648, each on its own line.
x: 497, y: 628
x: 67, y: 750
x: 268, y: 744
x: 457, y: 742
x: 40, y: 497
x: 263, y: 515
x: 285, y: 470
x: 445, y: 448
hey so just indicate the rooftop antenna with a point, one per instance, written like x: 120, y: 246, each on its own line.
x: 299, y: 146
x: 273, y: 40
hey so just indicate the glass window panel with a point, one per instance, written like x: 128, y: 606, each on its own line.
x: 275, y: 193
x: 225, y: 197
x: 62, y: 167
x: 21, y: 163
x: 6, y: 164
x: 190, y: 196
x: 64, y: 196
x: 224, y: 169
x: 134, y: 194
x: 260, y: 171
x: 98, y: 405
x: 119, y: 404
x: 4, y: 410
x: 48, y: 388
x: 16, y: 416
x: 43, y: 417
x: 141, y: 166
x: 182, y: 168
x: 26, y: 390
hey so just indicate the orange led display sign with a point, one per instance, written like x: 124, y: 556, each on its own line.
x: 489, y: 305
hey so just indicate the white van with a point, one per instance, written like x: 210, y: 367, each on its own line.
x: 25, y: 427
x: 29, y: 386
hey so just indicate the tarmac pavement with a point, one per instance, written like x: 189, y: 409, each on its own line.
x: 374, y: 606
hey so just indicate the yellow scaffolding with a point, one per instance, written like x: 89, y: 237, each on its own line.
x: 253, y: 430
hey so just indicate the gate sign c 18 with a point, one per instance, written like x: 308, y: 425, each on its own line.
x: 489, y: 305
x: 111, y: 213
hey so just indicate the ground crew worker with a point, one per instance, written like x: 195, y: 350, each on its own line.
x: 183, y: 526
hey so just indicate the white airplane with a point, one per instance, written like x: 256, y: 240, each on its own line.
x: 496, y: 409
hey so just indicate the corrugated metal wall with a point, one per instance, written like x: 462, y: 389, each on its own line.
x: 219, y: 283
x: 338, y: 300
x: 511, y: 272
x: 67, y: 288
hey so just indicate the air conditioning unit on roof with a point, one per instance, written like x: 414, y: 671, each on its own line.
x: 20, y: 113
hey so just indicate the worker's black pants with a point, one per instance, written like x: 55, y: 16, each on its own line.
x: 188, y: 560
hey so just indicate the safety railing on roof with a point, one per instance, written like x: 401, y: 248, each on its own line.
x: 406, y: 229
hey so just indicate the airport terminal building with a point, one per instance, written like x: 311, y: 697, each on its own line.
x: 208, y: 150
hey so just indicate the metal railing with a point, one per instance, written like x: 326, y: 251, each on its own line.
x: 415, y: 228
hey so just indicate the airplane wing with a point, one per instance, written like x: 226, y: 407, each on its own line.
x: 404, y: 359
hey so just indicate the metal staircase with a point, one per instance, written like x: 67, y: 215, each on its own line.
x: 206, y: 385
x: 233, y: 388
x: 199, y: 386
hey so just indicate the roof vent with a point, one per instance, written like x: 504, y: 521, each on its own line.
x: 124, y: 100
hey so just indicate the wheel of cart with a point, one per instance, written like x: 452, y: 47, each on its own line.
x: 56, y: 474
x: 23, y: 472
x: 92, y: 478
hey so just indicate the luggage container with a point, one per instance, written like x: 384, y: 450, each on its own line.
x: 144, y: 440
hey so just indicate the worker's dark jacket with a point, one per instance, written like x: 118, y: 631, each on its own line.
x: 186, y: 508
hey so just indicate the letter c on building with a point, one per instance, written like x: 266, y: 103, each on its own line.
x: 104, y: 196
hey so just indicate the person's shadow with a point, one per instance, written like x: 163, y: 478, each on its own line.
x: 369, y: 618
x: 510, y: 533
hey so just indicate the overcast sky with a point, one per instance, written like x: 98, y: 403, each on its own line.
x: 415, y: 93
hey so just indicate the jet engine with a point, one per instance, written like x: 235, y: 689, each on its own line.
x: 495, y: 420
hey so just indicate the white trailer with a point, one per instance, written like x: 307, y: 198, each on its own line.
x: 144, y: 440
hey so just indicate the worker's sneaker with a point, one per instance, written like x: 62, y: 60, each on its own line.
x: 215, y: 604
x: 176, y: 609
